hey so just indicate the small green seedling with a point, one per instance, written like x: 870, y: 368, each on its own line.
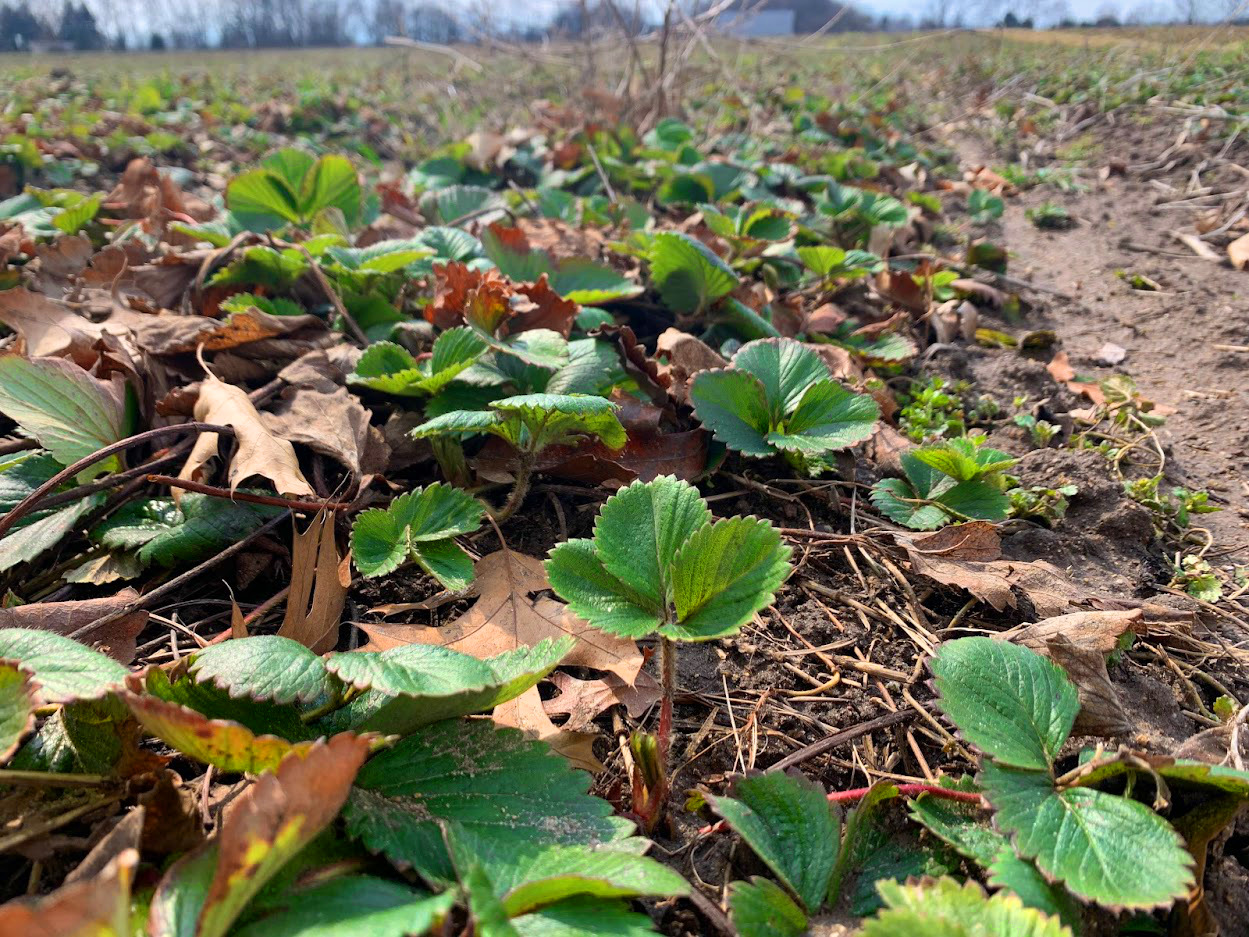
x: 420, y: 525
x: 1039, y: 503
x: 293, y: 186
x: 531, y: 423
x: 959, y: 479
x: 935, y: 410
x: 833, y: 266
x: 1050, y: 217
x: 778, y: 397
x: 391, y: 369
x: 1196, y: 576
x: 1041, y: 432
x: 659, y: 564
x: 984, y: 206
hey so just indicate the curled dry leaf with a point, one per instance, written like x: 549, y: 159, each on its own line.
x: 645, y: 370
x: 117, y: 639
x: 259, y: 451
x: 969, y: 556
x: 320, y: 574
x: 686, y: 356
x: 333, y: 423
x: 48, y: 328
x: 1101, y: 711
x: 1095, y: 631
x: 983, y: 292
x: 582, y: 700
x: 1238, y: 252
x: 542, y: 308
x: 1060, y: 369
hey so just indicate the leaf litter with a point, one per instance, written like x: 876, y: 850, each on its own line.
x: 797, y: 301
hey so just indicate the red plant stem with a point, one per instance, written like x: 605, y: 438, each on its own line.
x: 292, y: 503
x: 904, y: 790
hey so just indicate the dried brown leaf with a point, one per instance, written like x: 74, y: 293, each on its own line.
x: 1096, y: 631
x: 116, y: 639
x: 582, y: 700
x: 1101, y: 711
x: 259, y: 451
x: 968, y: 556
x: 91, y: 905
x: 319, y: 573
x: 333, y: 423
x: 1238, y: 252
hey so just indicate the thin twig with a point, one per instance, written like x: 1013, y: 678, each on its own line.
x: 332, y: 295
x: 842, y: 737
x: 292, y: 503
x: 27, y: 504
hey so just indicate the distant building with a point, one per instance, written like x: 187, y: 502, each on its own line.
x: 43, y: 46
x: 757, y: 24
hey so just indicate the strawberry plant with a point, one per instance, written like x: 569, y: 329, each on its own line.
x: 778, y: 397
x: 294, y: 187
x: 959, y: 479
x: 420, y: 525
x: 659, y: 565
x: 531, y: 423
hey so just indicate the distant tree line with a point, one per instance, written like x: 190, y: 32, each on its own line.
x: 257, y: 24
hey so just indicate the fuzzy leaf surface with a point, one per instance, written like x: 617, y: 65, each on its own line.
x: 263, y: 667
x: 761, y: 908
x: 944, y: 908
x: 1010, y: 702
x: 689, y: 275
x: 64, y: 669
x: 352, y: 906
x: 492, y: 781
x: 788, y: 822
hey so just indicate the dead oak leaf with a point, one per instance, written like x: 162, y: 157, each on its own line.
x: 968, y: 556
x: 116, y: 639
x: 506, y: 616
x: 583, y: 700
x: 259, y: 451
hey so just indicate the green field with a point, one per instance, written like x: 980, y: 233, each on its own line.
x: 675, y: 485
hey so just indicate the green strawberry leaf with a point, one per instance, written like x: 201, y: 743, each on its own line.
x: 70, y: 412
x: 1105, y: 848
x: 352, y: 906
x: 733, y: 405
x: 689, y: 276
x: 264, y: 667
x: 64, y: 670
x: 19, y: 699
x: 788, y: 822
x: 493, y: 781
x: 1010, y: 702
x: 761, y: 908
x: 944, y: 908
x: 419, y: 525
x: 416, y: 684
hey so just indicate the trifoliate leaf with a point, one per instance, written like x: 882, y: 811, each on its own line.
x: 171, y: 535
x: 18, y: 702
x: 556, y: 419
x: 496, y: 782
x: 695, y: 581
x: 778, y: 395
x: 352, y: 906
x: 70, y: 412
x: 419, y: 525
x: 1105, y: 848
x: 944, y: 908
x: 264, y: 667
x: 391, y: 369
x: 690, y: 277
x: 761, y: 908
x: 416, y: 684
x: 64, y: 669
x: 788, y: 822
x: 1010, y: 702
